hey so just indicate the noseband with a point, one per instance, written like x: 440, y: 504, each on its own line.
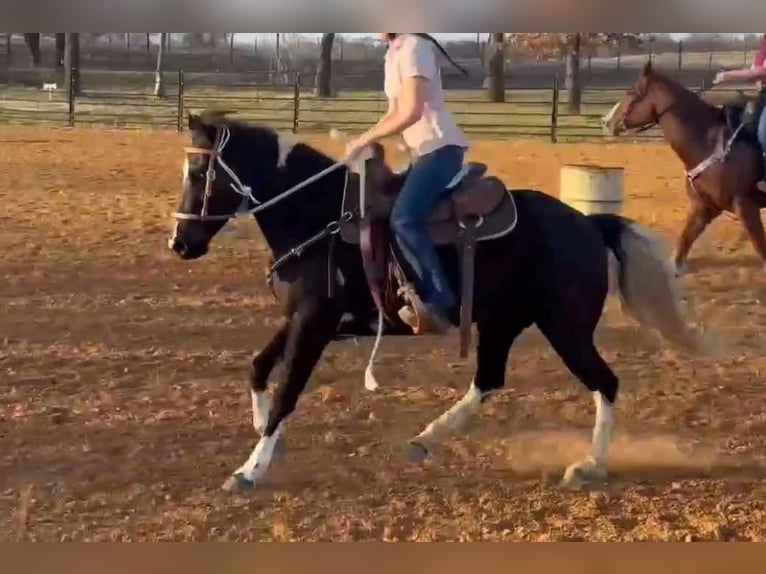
x: 215, y: 156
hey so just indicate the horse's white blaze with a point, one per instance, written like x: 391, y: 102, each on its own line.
x: 286, y: 143
x: 261, y: 407
x: 258, y: 463
x: 607, y: 119
x: 451, y: 420
x: 184, y: 176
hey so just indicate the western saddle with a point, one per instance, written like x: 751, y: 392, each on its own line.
x: 480, y: 208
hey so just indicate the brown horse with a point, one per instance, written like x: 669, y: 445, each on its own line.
x: 721, y: 156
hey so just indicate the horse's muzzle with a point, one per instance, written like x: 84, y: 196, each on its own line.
x: 185, y: 251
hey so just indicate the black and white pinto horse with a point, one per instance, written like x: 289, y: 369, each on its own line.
x: 551, y: 271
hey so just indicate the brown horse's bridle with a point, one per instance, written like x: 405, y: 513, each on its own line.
x: 214, y: 154
x: 629, y: 108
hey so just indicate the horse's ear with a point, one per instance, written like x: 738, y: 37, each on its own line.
x: 648, y: 69
x: 194, y: 121
x: 215, y: 117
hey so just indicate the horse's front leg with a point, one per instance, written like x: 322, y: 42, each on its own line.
x: 261, y: 368
x: 312, y: 328
x: 698, y: 217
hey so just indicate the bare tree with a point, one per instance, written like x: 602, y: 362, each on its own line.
x: 323, y: 87
x: 572, y: 82
x: 32, y: 40
x: 72, y: 62
x: 496, y: 67
x: 544, y: 44
x: 159, y: 76
x: 60, y: 49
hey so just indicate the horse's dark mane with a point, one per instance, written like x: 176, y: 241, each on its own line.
x: 684, y: 94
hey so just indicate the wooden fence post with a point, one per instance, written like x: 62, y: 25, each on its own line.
x: 680, y: 55
x: 9, y: 49
x: 296, y: 102
x: 180, y: 110
x: 555, y: 109
x: 71, y: 96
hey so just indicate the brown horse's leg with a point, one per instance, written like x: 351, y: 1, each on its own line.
x: 698, y: 217
x: 748, y: 211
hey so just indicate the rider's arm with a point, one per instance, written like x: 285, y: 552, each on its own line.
x: 406, y: 112
x: 753, y: 74
x: 416, y: 66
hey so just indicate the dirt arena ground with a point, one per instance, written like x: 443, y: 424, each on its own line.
x: 124, y: 405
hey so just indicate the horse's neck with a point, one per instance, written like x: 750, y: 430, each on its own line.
x: 688, y: 127
x: 291, y: 222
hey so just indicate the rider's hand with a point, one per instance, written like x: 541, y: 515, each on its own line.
x: 354, y: 149
x: 720, y: 78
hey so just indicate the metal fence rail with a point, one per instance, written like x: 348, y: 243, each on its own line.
x: 266, y: 99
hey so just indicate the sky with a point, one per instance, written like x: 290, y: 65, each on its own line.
x: 443, y: 35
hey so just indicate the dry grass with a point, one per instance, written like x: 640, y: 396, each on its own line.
x: 123, y: 402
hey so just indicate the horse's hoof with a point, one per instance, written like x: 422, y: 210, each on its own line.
x: 416, y: 452
x: 238, y: 483
x: 577, y: 475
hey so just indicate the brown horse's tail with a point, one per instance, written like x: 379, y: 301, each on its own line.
x: 646, y: 282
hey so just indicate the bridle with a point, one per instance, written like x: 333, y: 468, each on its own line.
x: 630, y: 107
x: 215, y: 157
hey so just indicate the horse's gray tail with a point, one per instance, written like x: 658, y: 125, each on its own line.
x: 646, y: 282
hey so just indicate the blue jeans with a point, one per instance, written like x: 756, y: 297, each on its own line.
x: 762, y: 129
x: 423, y: 189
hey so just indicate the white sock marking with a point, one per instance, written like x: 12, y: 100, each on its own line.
x: 602, y: 429
x: 261, y: 407
x: 453, y: 419
x: 256, y: 466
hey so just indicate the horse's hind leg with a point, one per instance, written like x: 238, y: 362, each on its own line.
x: 748, y: 211
x: 575, y: 347
x: 495, y: 336
x: 698, y: 217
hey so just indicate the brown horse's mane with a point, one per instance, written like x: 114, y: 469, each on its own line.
x: 685, y: 97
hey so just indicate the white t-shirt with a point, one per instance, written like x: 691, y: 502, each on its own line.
x: 411, y: 56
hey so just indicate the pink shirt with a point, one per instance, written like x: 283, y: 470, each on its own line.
x: 410, y: 56
x: 760, y: 60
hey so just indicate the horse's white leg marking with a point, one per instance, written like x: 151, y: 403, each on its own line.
x: 256, y: 466
x: 286, y: 144
x: 447, y: 423
x: 261, y: 407
x: 602, y: 430
x: 595, y: 465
